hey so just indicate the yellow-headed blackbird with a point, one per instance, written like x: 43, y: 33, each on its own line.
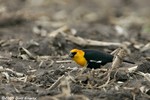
x: 91, y: 58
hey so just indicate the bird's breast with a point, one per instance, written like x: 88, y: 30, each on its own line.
x: 81, y: 61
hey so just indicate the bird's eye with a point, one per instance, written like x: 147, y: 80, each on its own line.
x: 73, y: 53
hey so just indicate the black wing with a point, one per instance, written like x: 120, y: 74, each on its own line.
x: 94, y: 56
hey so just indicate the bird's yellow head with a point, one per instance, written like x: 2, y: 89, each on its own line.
x: 78, y: 56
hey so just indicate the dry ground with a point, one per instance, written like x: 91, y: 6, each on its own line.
x: 36, y: 36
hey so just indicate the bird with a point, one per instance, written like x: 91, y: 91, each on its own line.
x: 91, y: 58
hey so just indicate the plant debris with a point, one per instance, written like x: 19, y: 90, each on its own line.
x: 37, y: 35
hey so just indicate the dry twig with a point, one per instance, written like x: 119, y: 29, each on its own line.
x: 118, y: 58
x: 24, y: 53
x: 56, y: 32
x: 11, y: 71
x: 79, y: 40
x: 64, y: 61
x: 145, y: 75
x: 65, y: 86
x: 56, y: 83
x: 88, y: 42
x: 116, y: 63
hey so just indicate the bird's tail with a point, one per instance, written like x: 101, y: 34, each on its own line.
x: 128, y: 61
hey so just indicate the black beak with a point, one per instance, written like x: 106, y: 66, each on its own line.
x: 72, y: 54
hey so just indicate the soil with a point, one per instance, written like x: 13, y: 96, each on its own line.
x: 31, y: 61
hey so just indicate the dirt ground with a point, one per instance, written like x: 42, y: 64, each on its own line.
x: 37, y: 35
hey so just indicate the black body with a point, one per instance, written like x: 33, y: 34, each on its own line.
x: 96, y: 58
